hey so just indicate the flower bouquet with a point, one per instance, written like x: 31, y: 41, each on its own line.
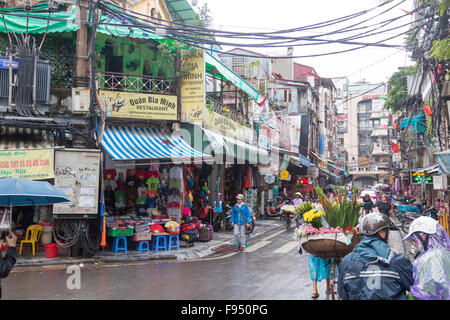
x: 330, y: 233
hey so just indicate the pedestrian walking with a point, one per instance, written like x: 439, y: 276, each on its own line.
x: 7, y: 262
x: 384, y: 206
x: 431, y: 266
x: 240, y: 219
x: 319, y: 269
x: 372, y: 271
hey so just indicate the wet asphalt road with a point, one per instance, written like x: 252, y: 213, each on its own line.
x: 271, y: 270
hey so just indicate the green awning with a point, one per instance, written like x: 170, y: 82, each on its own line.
x: 63, y: 21
x: 227, y: 74
x: 181, y: 12
x: 16, y: 21
x: 213, y: 142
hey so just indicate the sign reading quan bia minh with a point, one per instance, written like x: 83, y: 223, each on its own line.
x: 193, y: 85
x: 27, y: 164
x: 139, y: 105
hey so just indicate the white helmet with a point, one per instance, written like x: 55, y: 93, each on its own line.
x: 422, y: 224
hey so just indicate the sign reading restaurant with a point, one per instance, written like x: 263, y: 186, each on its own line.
x: 139, y: 105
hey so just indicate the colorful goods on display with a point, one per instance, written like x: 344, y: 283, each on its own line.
x: 330, y: 232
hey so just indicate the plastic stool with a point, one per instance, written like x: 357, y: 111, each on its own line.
x: 174, y: 242
x: 143, y: 245
x: 157, y: 244
x: 117, y: 247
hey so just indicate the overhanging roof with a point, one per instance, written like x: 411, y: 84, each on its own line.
x: 182, y: 12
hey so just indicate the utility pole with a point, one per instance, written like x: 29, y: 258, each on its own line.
x: 81, y: 45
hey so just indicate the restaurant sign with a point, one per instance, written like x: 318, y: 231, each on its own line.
x: 32, y: 164
x: 139, y: 105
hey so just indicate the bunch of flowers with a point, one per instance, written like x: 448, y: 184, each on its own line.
x: 308, y: 229
x: 313, y: 217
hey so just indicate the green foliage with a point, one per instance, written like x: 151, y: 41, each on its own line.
x: 441, y: 50
x: 398, y: 88
x: 342, y: 212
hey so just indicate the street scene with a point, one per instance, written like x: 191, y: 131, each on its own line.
x: 206, y: 150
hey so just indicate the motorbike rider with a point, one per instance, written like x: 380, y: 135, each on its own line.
x: 431, y: 266
x: 372, y: 271
x: 367, y: 204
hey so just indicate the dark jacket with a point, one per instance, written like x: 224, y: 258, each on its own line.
x: 384, y: 207
x: 367, y: 204
x: 6, y: 264
x: 372, y: 271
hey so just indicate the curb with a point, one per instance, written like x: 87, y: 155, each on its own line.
x: 190, y: 254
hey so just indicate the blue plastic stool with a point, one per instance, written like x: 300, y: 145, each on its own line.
x: 158, y: 244
x: 174, y: 242
x: 117, y: 247
x: 143, y: 246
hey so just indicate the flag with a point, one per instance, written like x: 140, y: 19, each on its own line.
x: 262, y: 102
x: 427, y: 110
x: 102, y: 215
x: 395, y: 147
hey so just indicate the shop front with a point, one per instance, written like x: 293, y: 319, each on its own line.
x: 148, y: 177
x: 27, y: 153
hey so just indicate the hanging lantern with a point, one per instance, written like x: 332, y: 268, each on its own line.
x: 241, y: 92
x: 228, y: 83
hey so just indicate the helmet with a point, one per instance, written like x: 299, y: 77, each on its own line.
x: 422, y: 224
x: 373, y: 222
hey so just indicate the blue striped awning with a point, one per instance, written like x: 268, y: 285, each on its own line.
x: 134, y: 143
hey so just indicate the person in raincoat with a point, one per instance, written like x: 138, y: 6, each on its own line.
x: 7, y: 262
x: 431, y: 266
x: 372, y: 271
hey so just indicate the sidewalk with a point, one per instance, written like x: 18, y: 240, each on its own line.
x: 199, y: 250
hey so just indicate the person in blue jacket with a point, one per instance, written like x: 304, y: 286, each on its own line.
x: 240, y: 218
x: 372, y: 271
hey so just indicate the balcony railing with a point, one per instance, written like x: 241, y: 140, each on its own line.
x: 115, y: 81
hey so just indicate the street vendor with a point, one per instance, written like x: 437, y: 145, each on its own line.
x: 298, y: 199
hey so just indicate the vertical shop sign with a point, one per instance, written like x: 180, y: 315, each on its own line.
x: 192, y: 85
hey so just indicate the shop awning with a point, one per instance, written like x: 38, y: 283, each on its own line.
x: 134, y: 143
x: 444, y: 161
x: 331, y: 174
x: 301, y: 160
x: 209, y: 141
x: 14, y: 138
x: 230, y: 147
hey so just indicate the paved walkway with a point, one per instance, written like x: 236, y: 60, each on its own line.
x: 199, y: 250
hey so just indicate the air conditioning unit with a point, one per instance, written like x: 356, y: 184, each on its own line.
x: 80, y: 100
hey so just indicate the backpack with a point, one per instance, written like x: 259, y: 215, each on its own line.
x: 189, y: 236
x: 187, y: 226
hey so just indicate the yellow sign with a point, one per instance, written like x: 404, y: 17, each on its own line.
x: 139, y: 105
x: 192, y: 85
x: 284, y: 174
x: 27, y: 164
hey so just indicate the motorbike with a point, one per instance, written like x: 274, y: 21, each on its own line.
x: 223, y: 221
x: 407, y: 213
x: 274, y: 210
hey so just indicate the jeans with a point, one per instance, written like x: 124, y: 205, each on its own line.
x: 239, y: 233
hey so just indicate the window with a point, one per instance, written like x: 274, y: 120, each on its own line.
x: 287, y: 95
x: 237, y: 65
